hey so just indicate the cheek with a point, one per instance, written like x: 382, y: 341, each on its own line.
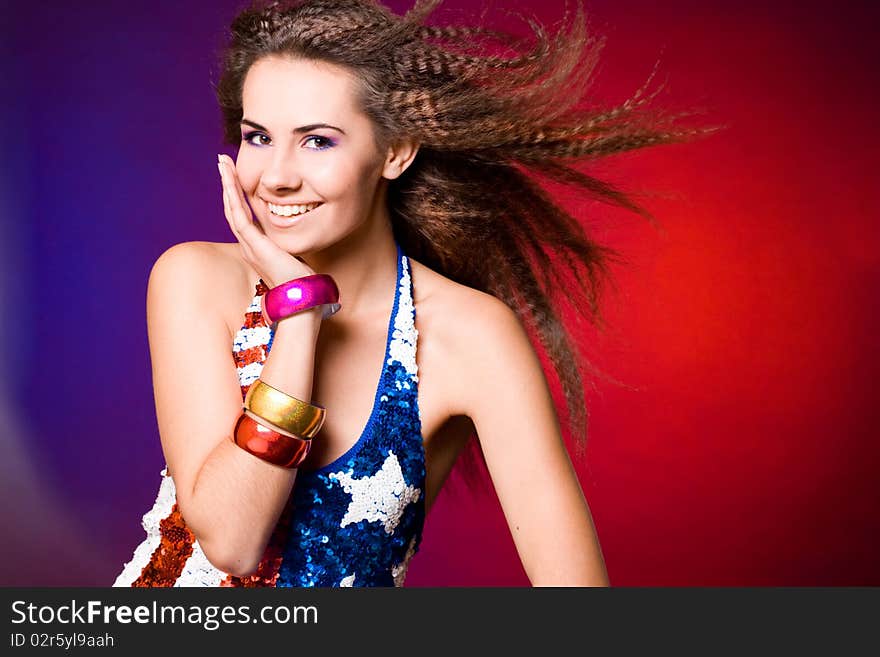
x: 341, y: 179
x: 323, y: 177
x: 248, y: 184
x: 247, y: 171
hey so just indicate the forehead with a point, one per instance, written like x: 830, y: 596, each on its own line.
x: 282, y: 90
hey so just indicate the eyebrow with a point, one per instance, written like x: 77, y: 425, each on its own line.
x: 299, y: 130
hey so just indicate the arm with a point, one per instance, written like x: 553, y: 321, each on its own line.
x: 230, y: 499
x: 512, y: 410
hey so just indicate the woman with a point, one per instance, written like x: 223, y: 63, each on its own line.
x: 385, y: 163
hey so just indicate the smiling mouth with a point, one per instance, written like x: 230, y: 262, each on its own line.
x: 291, y: 210
x: 284, y: 221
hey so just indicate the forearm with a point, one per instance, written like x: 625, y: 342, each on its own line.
x: 238, y: 496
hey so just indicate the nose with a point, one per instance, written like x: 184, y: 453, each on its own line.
x: 282, y: 171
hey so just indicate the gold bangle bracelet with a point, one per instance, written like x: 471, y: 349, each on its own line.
x: 288, y: 413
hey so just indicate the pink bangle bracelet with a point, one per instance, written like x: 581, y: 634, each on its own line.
x: 301, y: 294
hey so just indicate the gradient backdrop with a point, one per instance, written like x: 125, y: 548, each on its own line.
x: 741, y: 447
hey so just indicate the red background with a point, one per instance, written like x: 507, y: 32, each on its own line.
x: 743, y: 448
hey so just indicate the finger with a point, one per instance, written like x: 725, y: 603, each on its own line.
x: 239, y: 216
x: 249, y: 236
x: 236, y: 184
x: 227, y: 210
x: 243, y: 244
x: 242, y: 200
x: 229, y: 220
x: 240, y: 211
x: 254, y: 238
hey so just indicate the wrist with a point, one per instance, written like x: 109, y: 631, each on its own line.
x: 304, y: 320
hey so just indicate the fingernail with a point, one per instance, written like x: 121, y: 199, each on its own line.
x: 219, y: 158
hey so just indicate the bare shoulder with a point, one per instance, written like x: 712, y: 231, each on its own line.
x: 197, y: 258
x: 462, y: 310
x: 466, y: 328
x: 202, y: 269
x: 439, y: 289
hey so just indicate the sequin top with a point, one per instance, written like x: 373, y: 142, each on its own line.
x: 354, y: 522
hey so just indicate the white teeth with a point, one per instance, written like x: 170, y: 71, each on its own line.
x: 291, y: 210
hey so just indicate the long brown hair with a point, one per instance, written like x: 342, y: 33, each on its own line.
x: 490, y: 125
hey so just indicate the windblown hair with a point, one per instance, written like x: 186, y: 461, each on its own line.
x: 469, y: 206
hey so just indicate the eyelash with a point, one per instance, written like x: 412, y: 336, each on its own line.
x: 330, y: 143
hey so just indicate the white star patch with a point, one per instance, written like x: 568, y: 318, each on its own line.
x: 380, y: 498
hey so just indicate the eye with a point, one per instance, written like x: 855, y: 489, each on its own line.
x: 250, y: 135
x: 321, y: 143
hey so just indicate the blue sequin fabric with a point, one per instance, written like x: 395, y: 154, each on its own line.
x: 358, y: 520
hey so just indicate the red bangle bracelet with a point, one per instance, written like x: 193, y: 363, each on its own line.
x: 268, y: 444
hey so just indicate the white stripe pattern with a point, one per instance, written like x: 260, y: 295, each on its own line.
x: 249, y: 373
x: 198, y: 571
x: 403, y: 342
x: 256, y: 304
x: 248, y: 338
x: 142, y: 554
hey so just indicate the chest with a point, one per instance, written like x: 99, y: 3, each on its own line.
x: 349, y: 361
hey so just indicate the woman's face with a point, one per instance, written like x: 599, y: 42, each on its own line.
x: 305, y: 142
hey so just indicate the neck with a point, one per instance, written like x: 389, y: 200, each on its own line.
x: 364, y: 266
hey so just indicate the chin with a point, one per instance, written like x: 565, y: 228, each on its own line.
x: 294, y: 244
